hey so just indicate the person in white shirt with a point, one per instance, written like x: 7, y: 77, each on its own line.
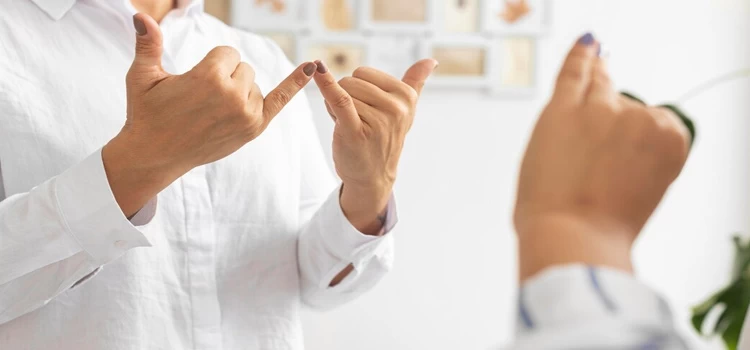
x: 176, y: 196
x: 596, y: 167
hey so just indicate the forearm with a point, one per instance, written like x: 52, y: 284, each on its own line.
x: 333, y: 253
x: 365, y: 208
x: 134, y: 177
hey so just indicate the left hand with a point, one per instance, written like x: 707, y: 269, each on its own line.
x: 373, y: 112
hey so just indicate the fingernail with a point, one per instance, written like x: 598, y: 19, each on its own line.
x: 140, y: 27
x: 437, y: 63
x: 586, y: 39
x: 309, y: 69
x: 322, y: 68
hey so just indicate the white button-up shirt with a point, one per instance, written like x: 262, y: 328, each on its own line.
x: 222, y: 259
x: 592, y: 308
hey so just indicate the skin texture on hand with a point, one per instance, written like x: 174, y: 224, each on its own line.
x: 373, y: 112
x: 178, y: 122
x: 595, y: 169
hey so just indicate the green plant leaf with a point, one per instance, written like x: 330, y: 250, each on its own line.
x: 685, y: 120
x: 632, y: 97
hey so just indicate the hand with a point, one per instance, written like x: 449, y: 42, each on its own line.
x: 596, y: 167
x: 373, y: 112
x: 178, y: 122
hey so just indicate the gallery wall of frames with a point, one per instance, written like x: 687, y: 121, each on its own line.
x: 484, y: 44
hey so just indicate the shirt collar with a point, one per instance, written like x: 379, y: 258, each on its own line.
x: 58, y: 8
x: 55, y: 8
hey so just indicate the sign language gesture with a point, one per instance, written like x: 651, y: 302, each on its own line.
x: 373, y: 112
x: 178, y: 122
x: 596, y: 168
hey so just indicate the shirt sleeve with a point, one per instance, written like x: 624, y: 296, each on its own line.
x: 328, y: 242
x: 586, y: 307
x: 58, y: 234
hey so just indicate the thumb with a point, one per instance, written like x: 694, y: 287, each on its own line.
x: 148, y: 46
x: 418, y: 73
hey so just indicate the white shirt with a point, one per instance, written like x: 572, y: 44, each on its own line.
x: 223, y: 259
x: 591, y: 308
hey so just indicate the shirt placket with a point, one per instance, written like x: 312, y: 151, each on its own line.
x: 201, y: 245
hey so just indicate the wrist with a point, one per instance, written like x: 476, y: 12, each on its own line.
x: 365, y: 206
x: 562, y: 240
x: 133, y: 177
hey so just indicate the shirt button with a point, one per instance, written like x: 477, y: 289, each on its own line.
x: 121, y: 244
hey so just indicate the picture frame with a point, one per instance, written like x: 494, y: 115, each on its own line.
x: 393, y: 54
x: 333, y: 16
x: 270, y: 15
x: 397, y: 25
x: 330, y: 47
x: 287, y: 41
x: 457, y: 17
x: 515, y: 72
x: 470, y: 66
x: 516, y: 17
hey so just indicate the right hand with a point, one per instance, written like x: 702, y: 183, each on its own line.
x: 178, y: 122
x: 596, y: 167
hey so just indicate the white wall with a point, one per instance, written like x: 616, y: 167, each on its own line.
x: 453, y: 284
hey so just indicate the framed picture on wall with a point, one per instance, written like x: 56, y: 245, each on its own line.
x: 341, y: 53
x: 393, y: 54
x: 397, y: 16
x: 516, y: 71
x: 338, y: 16
x: 458, y: 16
x: 287, y: 41
x: 465, y: 61
x: 515, y: 16
x: 268, y: 15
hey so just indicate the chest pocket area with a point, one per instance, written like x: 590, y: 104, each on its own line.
x: 50, y: 120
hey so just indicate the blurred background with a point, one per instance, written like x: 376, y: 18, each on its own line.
x: 453, y: 284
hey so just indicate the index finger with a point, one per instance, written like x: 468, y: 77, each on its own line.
x: 574, y: 78
x: 340, y: 102
x: 279, y: 97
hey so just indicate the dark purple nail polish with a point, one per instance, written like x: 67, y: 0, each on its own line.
x: 586, y: 39
x: 140, y: 27
x: 322, y: 68
x: 309, y: 69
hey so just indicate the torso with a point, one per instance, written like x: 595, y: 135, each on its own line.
x: 222, y: 271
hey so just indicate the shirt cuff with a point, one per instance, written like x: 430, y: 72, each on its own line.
x: 342, y: 239
x: 578, y: 293
x: 91, y: 213
x: 144, y: 216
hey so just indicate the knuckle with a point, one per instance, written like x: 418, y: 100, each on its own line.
x: 402, y: 110
x: 343, y: 101
x: 279, y: 99
x: 299, y: 81
x: 327, y: 84
x: 410, y: 94
x: 574, y: 73
x: 226, y: 51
